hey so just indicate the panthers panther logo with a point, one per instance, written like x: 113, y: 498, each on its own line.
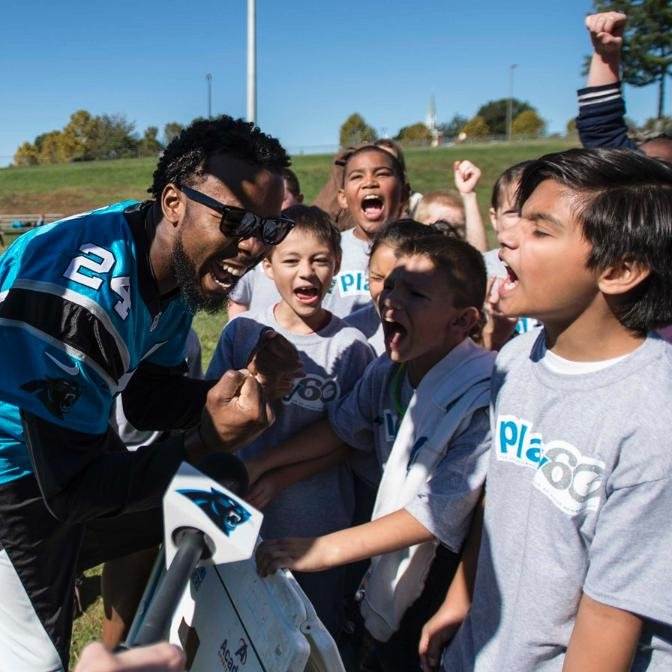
x: 224, y: 511
x: 57, y: 394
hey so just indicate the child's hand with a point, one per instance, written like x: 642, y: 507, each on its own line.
x: 498, y: 328
x: 606, y: 31
x: 304, y: 554
x: 275, y: 364
x: 436, y: 633
x: 265, y: 489
x: 467, y: 176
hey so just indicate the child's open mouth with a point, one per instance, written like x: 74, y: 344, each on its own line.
x: 394, y: 333
x: 307, y: 295
x: 372, y: 207
x: 511, y: 281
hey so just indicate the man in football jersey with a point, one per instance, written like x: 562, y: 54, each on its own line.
x: 102, y: 303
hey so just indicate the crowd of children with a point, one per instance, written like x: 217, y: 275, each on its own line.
x: 483, y: 429
x: 519, y: 521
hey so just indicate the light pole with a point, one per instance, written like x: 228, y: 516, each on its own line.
x: 251, y: 62
x: 208, y: 77
x: 509, y: 105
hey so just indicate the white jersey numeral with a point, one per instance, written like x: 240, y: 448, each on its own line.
x: 100, y: 261
x: 122, y: 287
x: 86, y: 269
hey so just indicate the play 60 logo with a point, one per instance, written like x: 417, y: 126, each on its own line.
x: 569, y: 479
x: 313, y: 391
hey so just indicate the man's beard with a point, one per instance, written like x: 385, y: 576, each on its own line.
x: 190, y: 285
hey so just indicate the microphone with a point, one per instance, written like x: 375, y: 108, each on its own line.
x: 205, y: 522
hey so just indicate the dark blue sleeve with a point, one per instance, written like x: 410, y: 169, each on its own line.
x: 601, y: 120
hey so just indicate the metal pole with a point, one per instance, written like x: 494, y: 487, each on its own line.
x: 509, y: 106
x: 251, y: 62
x: 190, y: 550
x: 209, y: 78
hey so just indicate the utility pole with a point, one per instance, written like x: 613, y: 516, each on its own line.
x: 509, y: 106
x: 251, y: 62
x: 208, y: 78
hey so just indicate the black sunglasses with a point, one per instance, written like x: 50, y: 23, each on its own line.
x: 241, y: 223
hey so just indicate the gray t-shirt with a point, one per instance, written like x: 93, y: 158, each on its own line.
x: 367, y: 320
x: 350, y: 288
x: 578, y: 500
x: 333, y: 360
x: 255, y: 290
x: 368, y: 417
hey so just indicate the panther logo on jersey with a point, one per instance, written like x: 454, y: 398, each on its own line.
x: 224, y: 511
x: 57, y: 394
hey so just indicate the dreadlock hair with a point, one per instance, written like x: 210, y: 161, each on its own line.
x: 189, y: 154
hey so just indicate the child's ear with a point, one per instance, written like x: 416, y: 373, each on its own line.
x: 622, y: 277
x: 342, y: 201
x: 268, y: 267
x: 467, y: 319
x: 493, y: 218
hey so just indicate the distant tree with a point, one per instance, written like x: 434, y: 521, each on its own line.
x: 570, y: 127
x: 453, y: 127
x: 115, y: 137
x: 654, y: 126
x: 170, y: 131
x: 494, y: 113
x: 355, y: 130
x: 476, y: 127
x: 149, y: 145
x: 528, y: 122
x: 52, y: 148
x: 646, y: 55
x: 26, y: 155
x: 77, y: 135
x: 414, y: 133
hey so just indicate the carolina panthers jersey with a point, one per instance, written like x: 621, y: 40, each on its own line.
x: 79, y: 310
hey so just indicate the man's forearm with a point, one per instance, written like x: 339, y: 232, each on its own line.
x: 604, y: 638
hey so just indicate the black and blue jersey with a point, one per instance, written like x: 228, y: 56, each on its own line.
x: 79, y: 312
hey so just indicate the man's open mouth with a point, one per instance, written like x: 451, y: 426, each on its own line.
x: 372, y: 207
x: 225, y: 274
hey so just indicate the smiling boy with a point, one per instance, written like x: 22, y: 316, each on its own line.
x: 333, y: 356
x: 574, y: 570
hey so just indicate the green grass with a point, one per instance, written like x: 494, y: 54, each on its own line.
x: 71, y: 188
x: 75, y: 187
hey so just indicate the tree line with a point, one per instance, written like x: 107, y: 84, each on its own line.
x: 88, y: 137
x: 489, y: 120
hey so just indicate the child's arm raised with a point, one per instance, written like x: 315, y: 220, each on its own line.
x: 604, y: 638
x: 606, y: 33
x: 467, y: 177
x: 313, y: 554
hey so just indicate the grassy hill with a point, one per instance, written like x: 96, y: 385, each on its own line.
x: 71, y: 188
x: 75, y: 187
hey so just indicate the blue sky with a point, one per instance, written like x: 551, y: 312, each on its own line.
x: 317, y: 62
